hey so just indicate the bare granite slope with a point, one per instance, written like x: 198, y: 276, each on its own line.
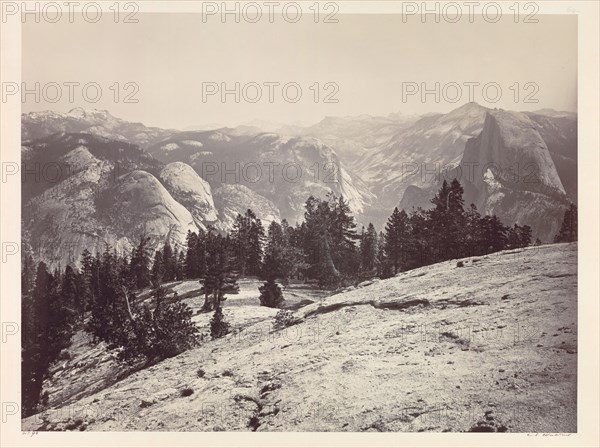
x: 490, y: 346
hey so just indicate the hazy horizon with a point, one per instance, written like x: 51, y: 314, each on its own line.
x: 369, y: 57
x: 255, y: 121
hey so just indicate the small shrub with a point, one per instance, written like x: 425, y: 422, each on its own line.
x: 156, y: 334
x: 201, y: 373
x: 218, y: 325
x: 227, y: 373
x: 283, y: 319
x: 270, y: 294
x: 187, y: 392
x: 460, y: 264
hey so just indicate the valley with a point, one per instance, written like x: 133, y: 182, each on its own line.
x: 200, y: 179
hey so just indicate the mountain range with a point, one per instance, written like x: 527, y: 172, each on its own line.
x: 90, y: 179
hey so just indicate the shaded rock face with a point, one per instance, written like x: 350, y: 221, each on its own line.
x: 285, y: 170
x: 514, y: 152
x: 409, y: 170
x: 415, y: 197
x: 532, y: 161
x: 190, y: 190
x: 139, y: 204
x: 87, y: 192
x: 507, y: 170
x: 237, y: 199
x: 418, y: 153
x: 559, y: 131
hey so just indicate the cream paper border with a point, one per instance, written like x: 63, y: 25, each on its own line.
x: 588, y: 269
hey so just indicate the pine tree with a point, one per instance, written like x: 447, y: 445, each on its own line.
x: 494, y: 234
x: 256, y: 237
x: 525, y: 236
x: 48, y: 320
x: 272, y: 267
x: 180, y: 266
x: 140, y: 264
x: 70, y: 295
x: 220, y: 276
x: 218, y: 325
x: 513, y: 236
x: 518, y: 236
x: 241, y: 243
x: 169, y: 262
x: 368, y: 252
x: 447, y: 222
x: 61, y: 312
x: 383, y: 266
x: 473, y: 236
x: 328, y: 276
x: 343, y: 237
x: 35, y: 358
x: 158, y: 269
x: 293, y: 259
x: 88, y: 277
x: 396, y: 239
x: 328, y: 238
x: 281, y: 260
x: 568, y: 229
x: 108, y: 311
x: 420, y: 250
x: 27, y: 274
x: 152, y: 335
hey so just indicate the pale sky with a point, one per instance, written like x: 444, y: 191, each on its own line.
x: 368, y: 56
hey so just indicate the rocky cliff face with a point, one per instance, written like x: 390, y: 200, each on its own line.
x: 190, y: 190
x: 139, y: 204
x: 507, y: 170
x: 559, y: 132
x: 85, y: 192
x: 521, y: 166
x: 418, y: 154
x: 284, y: 170
x: 234, y: 198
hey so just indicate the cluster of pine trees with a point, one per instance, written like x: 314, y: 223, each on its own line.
x: 99, y: 298
x: 102, y: 296
x: 447, y: 231
x: 568, y: 229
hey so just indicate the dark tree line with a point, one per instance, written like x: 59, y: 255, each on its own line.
x: 102, y: 296
x: 48, y: 306
x: 568, y: 229
x: 100, y: 299
x: 447, y: 231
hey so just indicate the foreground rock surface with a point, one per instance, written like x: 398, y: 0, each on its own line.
x: 490, y: 346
